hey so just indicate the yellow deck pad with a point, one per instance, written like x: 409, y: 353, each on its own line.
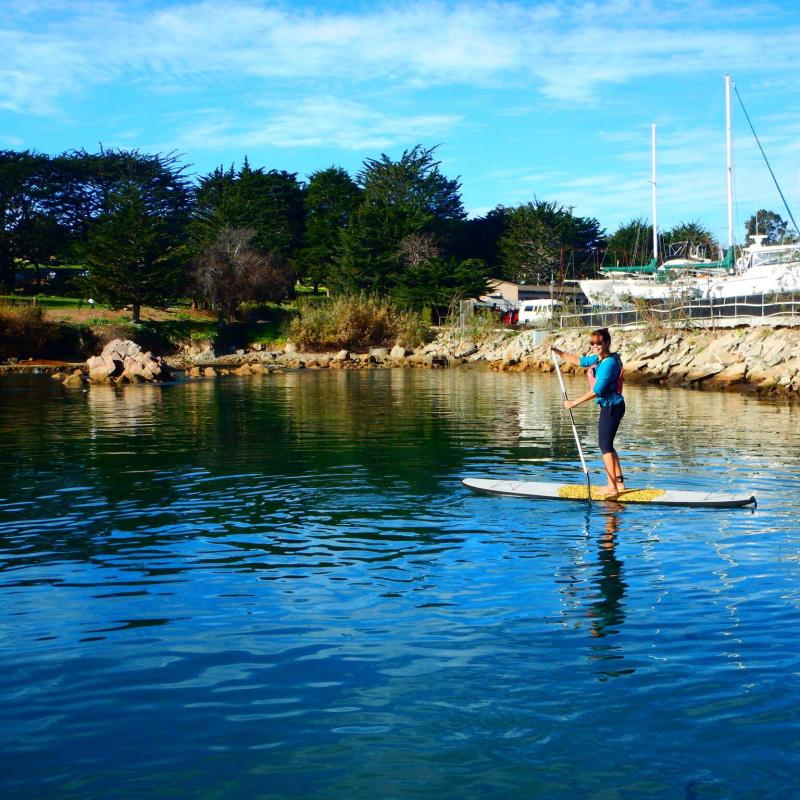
x: 628, y: 496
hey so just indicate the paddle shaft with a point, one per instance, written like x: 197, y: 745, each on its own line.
x: 574, y: 429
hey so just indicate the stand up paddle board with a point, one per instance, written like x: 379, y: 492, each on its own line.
x: 560, y: 491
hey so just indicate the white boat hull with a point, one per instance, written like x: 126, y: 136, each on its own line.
x: 762, y: 270
x: 618, y: 292
x: 761, y: 280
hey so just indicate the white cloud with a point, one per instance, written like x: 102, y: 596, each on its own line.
x: 9, y: 141
x: 566, y: 51
x: 318, y: 121
x: 295, y: 75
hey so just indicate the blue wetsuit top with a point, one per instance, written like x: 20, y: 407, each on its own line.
x: 607, y: 374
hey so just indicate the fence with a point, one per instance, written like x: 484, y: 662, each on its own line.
x: 12, y: 300
x: 783, y: 308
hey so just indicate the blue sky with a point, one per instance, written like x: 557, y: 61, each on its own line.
x: 551, y: 100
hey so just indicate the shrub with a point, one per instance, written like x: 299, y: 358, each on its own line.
x: 356, y: 322
x: 482, y: 325
x: 412, y: 328
x: 24, y: 333
x: 232, y: 271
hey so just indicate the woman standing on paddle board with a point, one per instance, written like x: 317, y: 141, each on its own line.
x: 604, y: 372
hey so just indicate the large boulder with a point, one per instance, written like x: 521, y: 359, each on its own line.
x: 398, y: 352
x: 122, y: 361
x: 76, y: 379
x: 205, y: 356
x: 466, y: 349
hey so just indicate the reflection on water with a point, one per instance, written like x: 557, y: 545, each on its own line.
x: 278, y: 587
x: 607, y: 612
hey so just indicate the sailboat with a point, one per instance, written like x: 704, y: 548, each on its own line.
x: 761, y: 269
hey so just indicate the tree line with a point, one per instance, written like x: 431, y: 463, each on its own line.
x: 147, y: 232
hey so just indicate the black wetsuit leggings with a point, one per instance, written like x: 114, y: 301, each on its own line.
x: 610, y: 418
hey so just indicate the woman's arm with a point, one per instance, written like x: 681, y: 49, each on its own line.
x: 582, y: 399
x: 569, y: 357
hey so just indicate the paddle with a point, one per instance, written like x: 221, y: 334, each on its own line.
x: 574, y: 429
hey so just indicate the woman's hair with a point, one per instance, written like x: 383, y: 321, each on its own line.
x: 603, y: 335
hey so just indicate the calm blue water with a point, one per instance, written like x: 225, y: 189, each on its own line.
x: 277, y: 588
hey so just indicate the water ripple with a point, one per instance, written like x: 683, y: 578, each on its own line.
x: 280, y: 588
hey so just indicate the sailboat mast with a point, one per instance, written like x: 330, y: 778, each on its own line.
x: 653, y: 181
x: 729, y: 150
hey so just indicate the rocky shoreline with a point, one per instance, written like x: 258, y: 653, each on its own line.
x: 761, y: 360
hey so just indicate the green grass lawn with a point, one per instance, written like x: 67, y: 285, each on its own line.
x: 261, y: 323
x: 177, y: 330
x: 267, y: 332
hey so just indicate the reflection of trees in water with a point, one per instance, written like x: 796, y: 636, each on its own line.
x: 407, y: 424
x: 49, y: 455
x: 152, y: 446
x: 208, y: 452
x: 41, y: 425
